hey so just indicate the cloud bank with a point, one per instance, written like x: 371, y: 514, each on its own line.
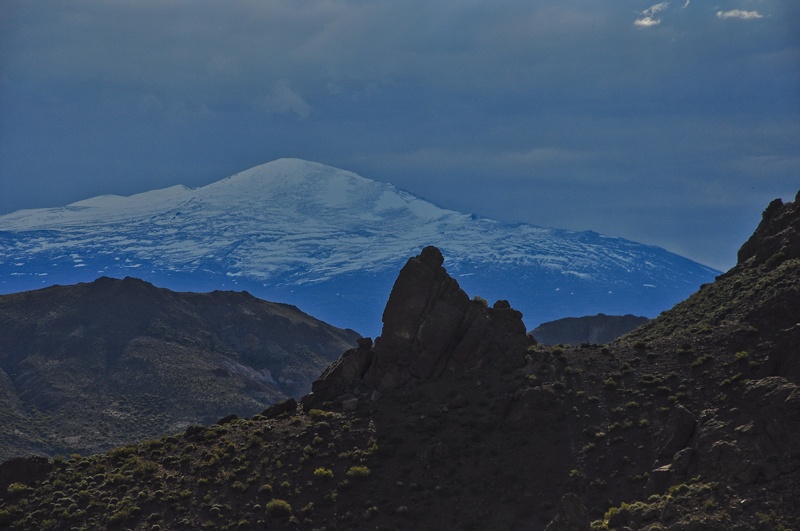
x: 740, y: 14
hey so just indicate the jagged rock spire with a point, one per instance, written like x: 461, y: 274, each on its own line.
x: 430, y: 325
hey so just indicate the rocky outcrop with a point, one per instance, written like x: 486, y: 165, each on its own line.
x: 346, y: 372
x: 430, y: 326
x: 777, y: 237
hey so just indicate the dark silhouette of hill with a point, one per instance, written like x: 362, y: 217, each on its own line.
x: 453, y: 419
x: 598, y: 328
x: 97, y: 365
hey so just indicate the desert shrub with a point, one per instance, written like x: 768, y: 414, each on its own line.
x: 7, y: 515
x: 484, y: 302
x: 125, y: 511
x: 319, y: 414
x: 358, y: 471
x: 323, y: 473
x: 18, y: 488
x: 278, y: 507
x: 741, y: 355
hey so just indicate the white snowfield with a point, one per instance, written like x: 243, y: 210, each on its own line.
x: 293, y: 223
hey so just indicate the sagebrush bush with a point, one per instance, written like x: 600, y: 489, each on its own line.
x: 278, y: 507
x: 358, y: 471
x: 323, y: 473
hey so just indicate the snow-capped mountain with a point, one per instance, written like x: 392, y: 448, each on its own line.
x: 332, y: 242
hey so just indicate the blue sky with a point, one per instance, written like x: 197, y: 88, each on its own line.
x: 671, y: 123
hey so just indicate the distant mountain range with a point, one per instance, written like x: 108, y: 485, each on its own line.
x: 330, y: 242
x: 596, y: 329
x: 96, y: 365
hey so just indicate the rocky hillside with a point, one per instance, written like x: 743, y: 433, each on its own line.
x: 598, y: 328
x: 92, y: 366
x: 455, y: 419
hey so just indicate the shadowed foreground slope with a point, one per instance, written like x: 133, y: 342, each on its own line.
x: 453, y: 419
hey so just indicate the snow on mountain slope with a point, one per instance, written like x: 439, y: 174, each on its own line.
x: 331, y: 242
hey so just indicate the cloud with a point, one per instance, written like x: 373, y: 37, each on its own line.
x: 283, y: 100
x: 740, y: 14
x: 655, y: 8
x: 649, y: 19
x: 647, y: 22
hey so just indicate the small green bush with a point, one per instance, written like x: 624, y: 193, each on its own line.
x: 323, y: 473
x: 18, y: 488
x: 358, y: 471
x: 277, y: 507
